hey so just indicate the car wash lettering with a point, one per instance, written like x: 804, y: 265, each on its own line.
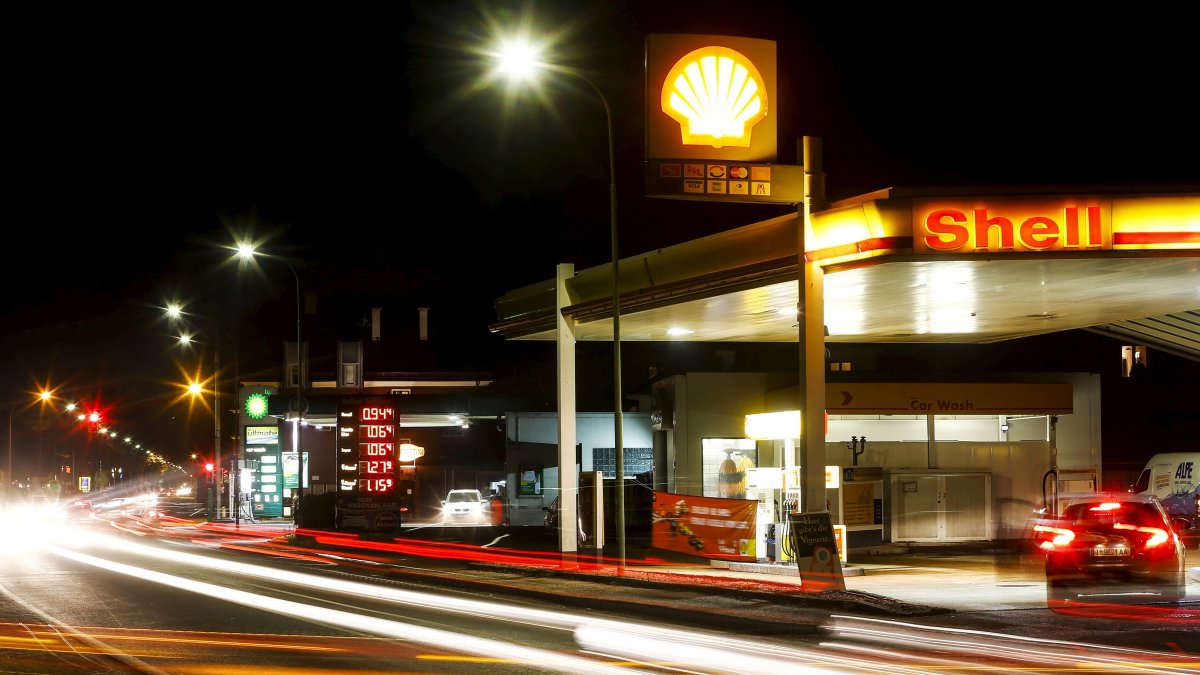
x: 1018, y: 228
x: 941, y: 404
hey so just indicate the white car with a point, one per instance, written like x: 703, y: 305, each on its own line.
x: 464, y: 506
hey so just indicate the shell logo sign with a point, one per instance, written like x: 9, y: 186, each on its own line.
x: 710, y: 97
x: 716, y: 96
x: 1012, y: 226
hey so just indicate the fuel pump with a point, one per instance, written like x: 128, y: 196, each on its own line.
x: 776, y: 489
x: 763, y: 485
x: 792, y: 503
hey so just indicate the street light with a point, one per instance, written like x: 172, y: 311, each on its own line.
x: 175, y: 313
x: 8, y: 476
x: 519, y: 61
x: 43, y: 397
x: 195, y: 389
x: 246, y: 252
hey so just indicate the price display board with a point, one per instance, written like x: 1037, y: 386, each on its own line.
x: 368, y: 497
x: 367, y: 446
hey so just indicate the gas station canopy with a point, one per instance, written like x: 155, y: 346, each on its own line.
x: 905, y: 265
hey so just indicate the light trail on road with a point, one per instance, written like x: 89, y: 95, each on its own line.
x: 652, y: 646
x: 407, y: 632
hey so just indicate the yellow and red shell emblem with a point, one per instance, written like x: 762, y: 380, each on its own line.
x: 716, y: 95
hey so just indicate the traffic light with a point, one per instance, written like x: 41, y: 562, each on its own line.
x: 208, y: 469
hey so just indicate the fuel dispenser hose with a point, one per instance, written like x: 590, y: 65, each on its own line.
x: 787, y: 544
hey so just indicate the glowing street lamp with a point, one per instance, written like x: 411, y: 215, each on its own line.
x: 175, y: 313
x: 518, y: 61
x: 195, y: 389
x: 247, y: 253
x: 44, y: 396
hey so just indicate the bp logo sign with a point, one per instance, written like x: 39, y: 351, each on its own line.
x: 256, y: 406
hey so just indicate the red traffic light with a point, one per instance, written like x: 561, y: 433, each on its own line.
x: 209, y: 466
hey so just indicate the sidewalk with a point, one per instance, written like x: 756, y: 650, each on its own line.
x: 768, y: 591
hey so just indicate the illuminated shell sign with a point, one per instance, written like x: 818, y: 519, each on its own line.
x: 710, y: 97
x: 716, y: 95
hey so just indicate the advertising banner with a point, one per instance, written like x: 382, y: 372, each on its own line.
x: 366, y: 512
x: 708, y: 527
x: 858, y: 504
x: 291, y: 470
x: 815, y: 546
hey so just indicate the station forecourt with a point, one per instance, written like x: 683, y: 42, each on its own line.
x: 900, y: 265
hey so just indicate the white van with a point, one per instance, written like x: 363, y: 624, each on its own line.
x: 1173, y: 477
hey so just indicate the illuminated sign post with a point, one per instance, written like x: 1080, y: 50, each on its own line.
x: 711, y: 121
x: 367, y: 465
x: 263, y: 482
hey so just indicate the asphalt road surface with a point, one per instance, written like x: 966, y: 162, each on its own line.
x: 137, y: 590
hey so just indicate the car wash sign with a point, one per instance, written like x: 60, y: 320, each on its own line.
x: 1011, y: 225
x: 711, y: 121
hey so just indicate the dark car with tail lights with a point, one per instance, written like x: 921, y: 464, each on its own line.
x: 1105, y: 546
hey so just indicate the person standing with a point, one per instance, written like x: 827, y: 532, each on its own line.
x: 496, y: 502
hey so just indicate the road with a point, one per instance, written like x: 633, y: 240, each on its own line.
x: 1001, y: 590
x: 101, y: 602
x: 136, y: 591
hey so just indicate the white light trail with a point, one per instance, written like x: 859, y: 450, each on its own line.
x: 693, y: 651
x: 1045, y: 651
x: 458, y: 642
x: 599, y: 635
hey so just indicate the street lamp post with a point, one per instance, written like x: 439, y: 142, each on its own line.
x: 299, y: 447
x: 618, y: 408
x: 246, y: 252
x: 217, y: 415
x: 520, y: 59
x: 175, y: 312
x: 44, y: 396
x: 8, y: 475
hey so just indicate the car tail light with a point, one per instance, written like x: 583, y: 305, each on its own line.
x: 1052, y: 537
x: 1156, y: 536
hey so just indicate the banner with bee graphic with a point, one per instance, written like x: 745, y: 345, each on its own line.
x: 708, y: 527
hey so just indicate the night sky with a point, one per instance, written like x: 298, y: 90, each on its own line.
x: 363, y: 144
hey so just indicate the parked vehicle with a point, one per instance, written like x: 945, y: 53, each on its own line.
x: 1113, y: 543
x: 465, y: 506
x: 1174, y: 477
x: 553, y: 520
x: 551, y: 516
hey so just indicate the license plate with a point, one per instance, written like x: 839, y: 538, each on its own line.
x: 1110, y: 551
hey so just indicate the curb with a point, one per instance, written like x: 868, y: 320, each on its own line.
x: 857, y: 601
x: 700, y: 588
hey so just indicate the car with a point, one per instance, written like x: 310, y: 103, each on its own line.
x: 1113, y: 544
x: 1174, y: 477
x: 551, y: 515
x: 78, y: 509
x: 465, y: 506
